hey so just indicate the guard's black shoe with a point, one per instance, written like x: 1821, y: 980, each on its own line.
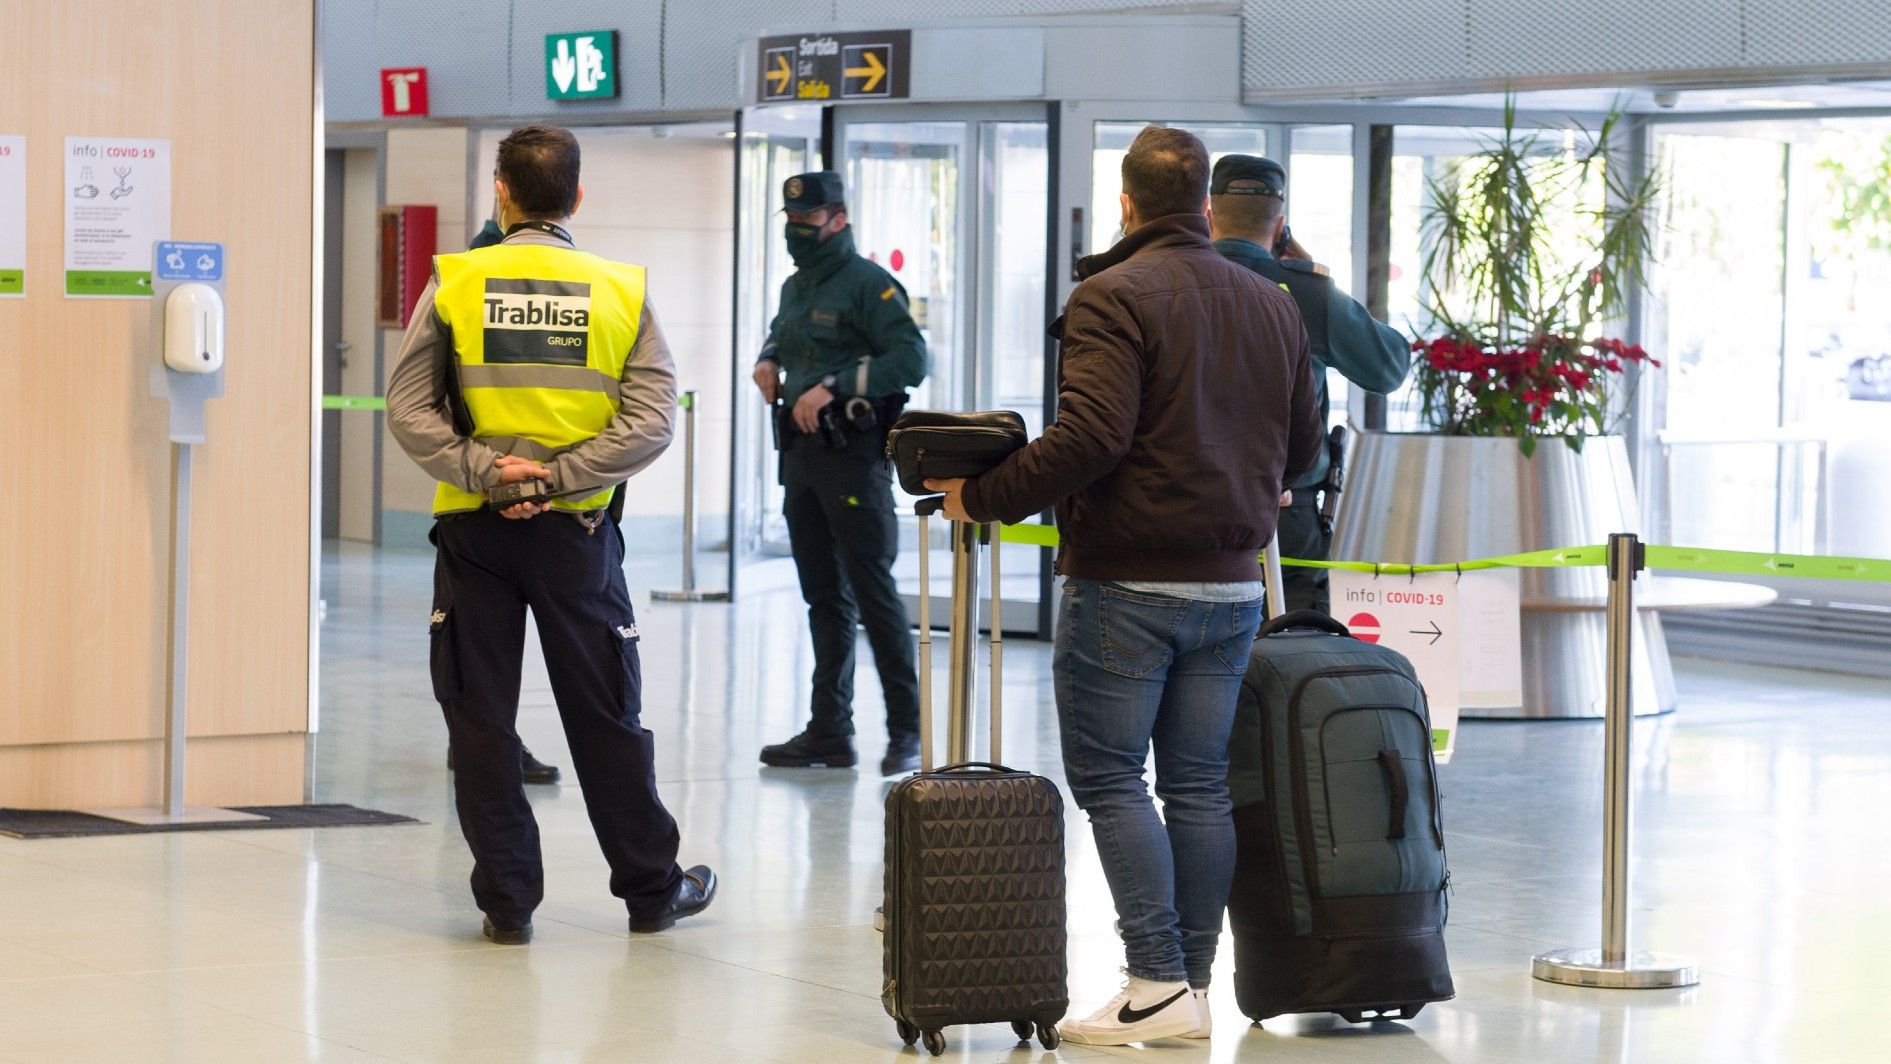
x: 693, y: 895
x: 508, y: 936
x: 534, y: 770
x: 809, y: 750
x: 902, y: 755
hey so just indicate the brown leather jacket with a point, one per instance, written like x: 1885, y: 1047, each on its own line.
x: 1185, y: 401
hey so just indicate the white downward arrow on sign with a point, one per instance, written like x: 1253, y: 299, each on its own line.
x: 564, y: 67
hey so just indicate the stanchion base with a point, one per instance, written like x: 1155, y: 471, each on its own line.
x: 1639, y: 971
x: 190, y: 814
x: 689, y: 596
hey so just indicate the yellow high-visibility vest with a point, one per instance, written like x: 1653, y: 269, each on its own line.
x: 540, y: 337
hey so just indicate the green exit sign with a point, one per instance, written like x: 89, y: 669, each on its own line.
x: 581, y: 66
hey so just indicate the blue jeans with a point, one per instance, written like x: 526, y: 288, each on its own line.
x: 1132, y: 667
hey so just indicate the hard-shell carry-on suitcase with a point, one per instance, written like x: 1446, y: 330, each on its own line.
x: 1339, y: 891
x: 974, y: 854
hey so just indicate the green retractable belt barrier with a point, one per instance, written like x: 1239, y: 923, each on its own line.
x: 354, y: 402
x: 1676, y: 559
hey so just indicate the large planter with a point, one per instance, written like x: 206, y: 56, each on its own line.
x: 1439, y: 499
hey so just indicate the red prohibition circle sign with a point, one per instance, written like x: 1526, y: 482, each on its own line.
x: 1365, y: 627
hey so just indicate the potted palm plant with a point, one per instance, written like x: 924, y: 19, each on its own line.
x: 1531, y: 250
x: 1533, y: 246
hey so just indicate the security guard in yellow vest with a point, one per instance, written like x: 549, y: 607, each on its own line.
x: 530, y: 363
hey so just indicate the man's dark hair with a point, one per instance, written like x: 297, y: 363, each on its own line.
x: 539, y: 165
x: 1245, y: 215
x: 1166, y: 172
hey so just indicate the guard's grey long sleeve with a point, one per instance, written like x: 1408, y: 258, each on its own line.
x: 645, y: 422
x: 417, y: 412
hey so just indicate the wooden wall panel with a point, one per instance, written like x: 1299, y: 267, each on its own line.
x: 228, y: 770
x: 82, y: 639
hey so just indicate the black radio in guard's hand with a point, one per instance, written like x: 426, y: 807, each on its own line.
x: 536, y: 492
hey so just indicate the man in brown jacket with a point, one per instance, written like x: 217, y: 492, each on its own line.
x: 1185, y: 403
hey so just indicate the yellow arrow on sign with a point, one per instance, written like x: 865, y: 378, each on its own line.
x: 874, y: 71
x: 781, y: 75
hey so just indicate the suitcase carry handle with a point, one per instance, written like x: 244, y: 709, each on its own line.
x: 1394, y: 767
x: 967, y: 766
x: 1302, y: 619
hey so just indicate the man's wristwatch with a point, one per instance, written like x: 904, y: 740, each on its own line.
x: 829, y: 382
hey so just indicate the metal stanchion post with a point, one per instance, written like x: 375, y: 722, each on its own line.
x: 688, y: 592
x: 1614, y: 966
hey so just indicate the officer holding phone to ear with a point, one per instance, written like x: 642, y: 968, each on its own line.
x: 841, y: 354
x: 1247, y: 201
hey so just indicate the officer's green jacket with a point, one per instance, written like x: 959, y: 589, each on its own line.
x: 836, y: 310
x: 1367, y: 352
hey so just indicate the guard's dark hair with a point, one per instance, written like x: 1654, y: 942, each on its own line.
x: 539, y: 165
x: 1166, y: 172
x: 1245, y: 215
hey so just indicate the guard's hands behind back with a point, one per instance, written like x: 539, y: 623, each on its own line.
x: 513, y: 470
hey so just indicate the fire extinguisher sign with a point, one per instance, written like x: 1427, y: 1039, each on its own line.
x: 404, y: 92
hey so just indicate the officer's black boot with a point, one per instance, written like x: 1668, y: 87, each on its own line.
x: 534, y: 770
x: 531, y: 768
x: 902, y: 754
x: 809, y: 750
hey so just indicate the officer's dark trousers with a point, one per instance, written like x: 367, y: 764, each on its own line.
x: 844, y: 535
x: 1303, y: 536
x: 488, y: 571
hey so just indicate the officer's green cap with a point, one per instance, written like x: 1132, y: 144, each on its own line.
x: 811, y: 192
x: 1248, y: 175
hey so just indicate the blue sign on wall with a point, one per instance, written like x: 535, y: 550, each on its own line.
x: 179, y: 260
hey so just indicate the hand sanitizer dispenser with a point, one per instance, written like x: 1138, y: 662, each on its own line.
x: 193, y: 329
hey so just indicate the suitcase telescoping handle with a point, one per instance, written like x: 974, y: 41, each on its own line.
x: 925, y: 509
x: 1270, y: 571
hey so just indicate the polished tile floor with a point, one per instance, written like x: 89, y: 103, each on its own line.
x: 1761, y: 852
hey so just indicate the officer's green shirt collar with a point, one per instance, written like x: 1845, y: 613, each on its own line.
x: 835, y: 252
x: 1243, y: 245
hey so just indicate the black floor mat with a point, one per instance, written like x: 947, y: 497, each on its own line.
x: 56, y: 824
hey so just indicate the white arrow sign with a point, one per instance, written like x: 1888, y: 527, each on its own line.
x: 564, y: 67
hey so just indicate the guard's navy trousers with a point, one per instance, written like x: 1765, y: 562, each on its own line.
x: 488, y: 571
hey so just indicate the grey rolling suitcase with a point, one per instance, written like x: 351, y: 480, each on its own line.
x: 974, y: 853
x: 1339, y: 893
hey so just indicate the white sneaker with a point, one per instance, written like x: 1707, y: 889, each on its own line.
x: 1142, y: 1012
x: 1207, y: 1025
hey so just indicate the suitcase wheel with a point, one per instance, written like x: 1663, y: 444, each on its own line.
x: 1382, y: 1013
x: 935, y: 1043
x: 908, y: 1033
x: 1022, y: 1028
x: 1048, y: 1036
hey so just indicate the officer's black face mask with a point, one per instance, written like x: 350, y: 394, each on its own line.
x: 803, y: 241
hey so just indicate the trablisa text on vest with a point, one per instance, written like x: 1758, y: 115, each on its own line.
x: 523, y: 311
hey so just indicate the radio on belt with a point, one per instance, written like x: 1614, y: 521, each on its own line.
x: 536, y: 492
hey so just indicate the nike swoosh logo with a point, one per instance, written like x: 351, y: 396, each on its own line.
x: 1128, y: 1015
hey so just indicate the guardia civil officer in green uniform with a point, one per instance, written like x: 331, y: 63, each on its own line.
x: 1247, y: 198
x: 841, y: 354
x: 533, y: 363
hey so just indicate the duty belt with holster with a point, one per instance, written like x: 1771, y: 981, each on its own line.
x: 840, y: 420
